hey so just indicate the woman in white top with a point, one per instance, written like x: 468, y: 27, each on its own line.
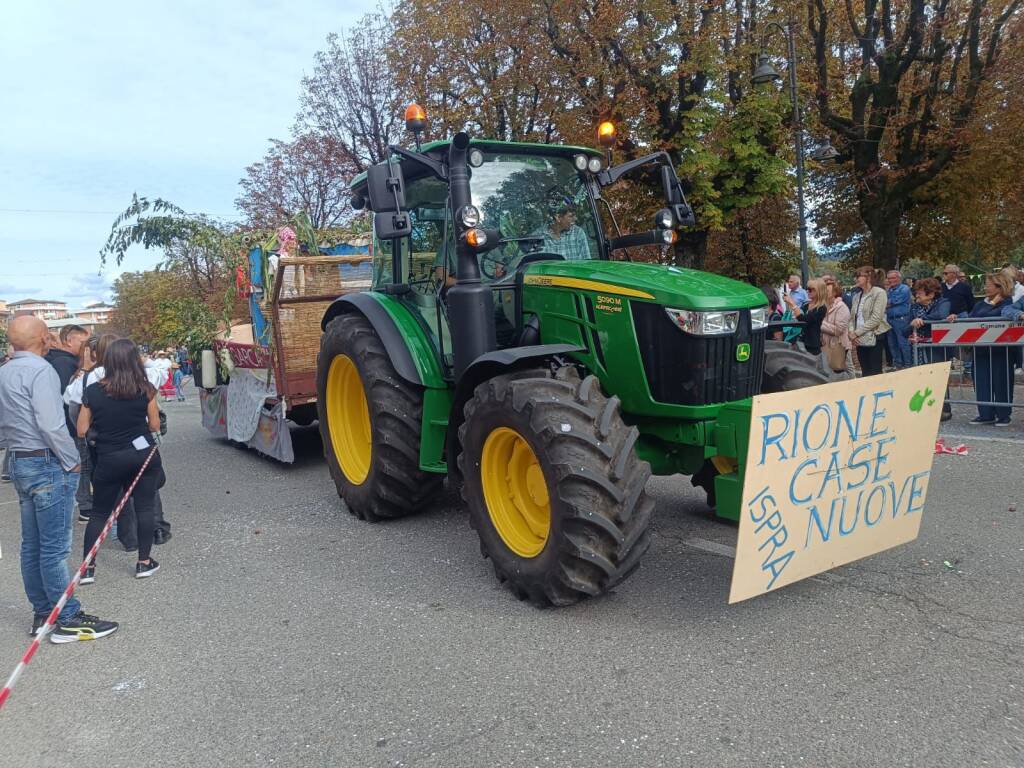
x: 868, y: 325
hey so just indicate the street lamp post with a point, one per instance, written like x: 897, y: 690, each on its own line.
x: 766, y: 73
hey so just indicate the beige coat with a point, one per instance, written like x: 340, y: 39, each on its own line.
x: 874, y: 302
x: 835, y: 325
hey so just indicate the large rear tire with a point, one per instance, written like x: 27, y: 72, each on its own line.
x: 554, y: 486
x: 787, y: 368
x: 370, y: 421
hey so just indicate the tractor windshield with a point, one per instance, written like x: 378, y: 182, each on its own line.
x: 537, y: 203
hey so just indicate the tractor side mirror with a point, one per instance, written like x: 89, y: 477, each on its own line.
x: 684, y: 215
x: 391, y: 224
x: 385, y: 186
x: 669, y: 186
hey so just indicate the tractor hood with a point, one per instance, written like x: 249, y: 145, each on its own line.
x: 669, y: 286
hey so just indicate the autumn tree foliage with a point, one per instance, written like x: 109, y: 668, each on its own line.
x: 900, y: 86
x: 352, y: 96
x: 310, y: 173
x: 920, y: 97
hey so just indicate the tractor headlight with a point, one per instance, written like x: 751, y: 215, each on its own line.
x: 470, y: 216
x: 476, y: 158
x: 758, y: 318
x: 594, y: 164
x: 704, y: 323
x: 580, y: 161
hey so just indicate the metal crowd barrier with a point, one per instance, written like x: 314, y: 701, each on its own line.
x: 985, y: 355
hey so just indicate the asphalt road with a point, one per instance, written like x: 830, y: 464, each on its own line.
x: 282, y: 631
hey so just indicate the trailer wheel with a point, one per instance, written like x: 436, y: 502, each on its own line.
x: 554, y: 487
x: 370, y: 424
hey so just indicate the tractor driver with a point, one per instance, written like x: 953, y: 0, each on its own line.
x: 563, y: 235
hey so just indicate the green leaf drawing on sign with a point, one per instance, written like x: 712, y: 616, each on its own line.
x: 918, y: 399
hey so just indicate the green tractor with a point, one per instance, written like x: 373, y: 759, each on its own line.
x: 503, y: 347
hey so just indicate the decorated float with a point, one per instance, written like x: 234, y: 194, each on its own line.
x: 260, y: 376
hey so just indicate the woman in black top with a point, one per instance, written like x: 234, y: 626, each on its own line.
x: 119, y: 414
x: 812, y: 313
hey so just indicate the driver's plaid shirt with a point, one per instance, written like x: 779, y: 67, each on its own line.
x: 573, y: 244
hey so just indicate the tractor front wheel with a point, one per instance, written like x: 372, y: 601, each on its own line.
x: 370, y: 424
x: 554, y: 486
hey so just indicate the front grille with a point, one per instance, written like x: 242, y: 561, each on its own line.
x: 696, y: 370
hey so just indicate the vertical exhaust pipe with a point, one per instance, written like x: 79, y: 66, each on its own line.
x: 470, y: 303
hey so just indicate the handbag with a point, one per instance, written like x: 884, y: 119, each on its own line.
x: 836, y: 356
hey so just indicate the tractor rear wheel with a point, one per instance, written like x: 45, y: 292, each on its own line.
x: 787, y: 368
x: 370, y: 424
x: 554, y: 486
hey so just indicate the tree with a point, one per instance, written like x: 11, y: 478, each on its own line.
x: 352, y: 95
x: 137, y: 295
x: 899, y: 84
x: 197, y: 248
x: 486, y: 76
x: 672, y: 75
x: 309, y: 173
x: 183, y: 320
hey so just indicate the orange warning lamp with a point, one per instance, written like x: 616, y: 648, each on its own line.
x: 415, y: 118
x: 606, y: 134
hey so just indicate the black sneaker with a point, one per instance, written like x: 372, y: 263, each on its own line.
x: 145, y: 570
x: 38, y: 619
x: 83, y: 515
x: 1003, y: 423
x: 979, y: 420
x: 89, y: 576
x: 82, y: 627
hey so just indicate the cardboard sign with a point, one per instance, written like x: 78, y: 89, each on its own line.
x: 835, y: 473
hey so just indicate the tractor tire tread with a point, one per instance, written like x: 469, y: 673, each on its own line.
x: 397, y: 487
x: 599, y: 483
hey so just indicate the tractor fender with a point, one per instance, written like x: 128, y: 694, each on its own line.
x: 483, y: 368
x: 405, y: 341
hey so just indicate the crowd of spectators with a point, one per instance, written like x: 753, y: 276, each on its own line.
x: 887, y: 319
x: 78, y: 419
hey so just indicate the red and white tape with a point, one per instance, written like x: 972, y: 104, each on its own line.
x: 52, y: 618
x: 997, y: 332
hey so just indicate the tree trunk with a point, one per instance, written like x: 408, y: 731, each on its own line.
x: 883, y: 219
x: 691, y: 249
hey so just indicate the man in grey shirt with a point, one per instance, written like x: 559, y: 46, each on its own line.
x: 44, y: 469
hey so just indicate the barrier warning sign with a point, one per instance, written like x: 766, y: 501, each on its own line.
x: 835, y: 473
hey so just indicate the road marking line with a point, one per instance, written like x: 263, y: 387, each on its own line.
x: 14, y: 501
x: 713, y: 547
x: 724, y: 550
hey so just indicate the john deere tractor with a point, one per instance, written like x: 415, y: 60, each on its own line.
x: 509, y: 343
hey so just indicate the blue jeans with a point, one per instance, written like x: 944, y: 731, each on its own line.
x: 47, y: 496
x: 899, y: 345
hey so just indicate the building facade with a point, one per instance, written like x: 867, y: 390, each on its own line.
x: 42, y: 308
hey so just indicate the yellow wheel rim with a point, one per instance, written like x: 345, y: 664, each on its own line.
x: 348, y: 419
x: 515, y: 492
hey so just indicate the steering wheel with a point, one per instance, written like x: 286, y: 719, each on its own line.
x: 489, y: 264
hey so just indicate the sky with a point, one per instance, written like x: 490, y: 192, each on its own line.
x: 167, y: 99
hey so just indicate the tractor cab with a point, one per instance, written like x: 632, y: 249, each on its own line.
x: 508, y: 206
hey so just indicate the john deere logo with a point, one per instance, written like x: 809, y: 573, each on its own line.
x: 742, y: 352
